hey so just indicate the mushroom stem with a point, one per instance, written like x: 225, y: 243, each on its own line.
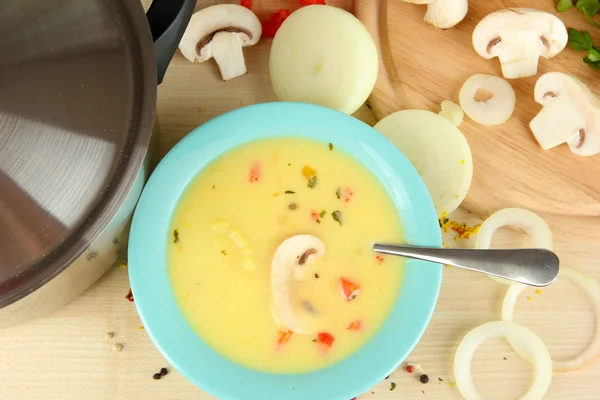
x: 226, y: 48
x: 557, y: 123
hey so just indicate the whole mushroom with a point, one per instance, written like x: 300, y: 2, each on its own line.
x: 443, y: 14
x: 518, y: 37
x: 571, y: 114
x: 220, y: 32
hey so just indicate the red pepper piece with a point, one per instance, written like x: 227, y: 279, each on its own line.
x: 271, y: 26
x: 350, y: 289
x: 325, y: 339
x: 354, y: 326
x: 284, y: 337
x: 311, y: 2
x: 247, y: 3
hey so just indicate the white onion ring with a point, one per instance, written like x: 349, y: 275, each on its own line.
x: 592, y: 290
x: 531, y: 223
x: 532, y: 345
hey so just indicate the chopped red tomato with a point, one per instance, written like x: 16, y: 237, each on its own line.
x: 271, y: 26
x: 284, y: 337
x: 347, y: 195
x: 247, y: 3
x: 326, y: 339
x: 255, y: 172
x: 311, y: 2
x: 354, y: 326
x: 350, y: 289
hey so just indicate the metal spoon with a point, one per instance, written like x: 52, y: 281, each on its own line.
x: 534, y: 267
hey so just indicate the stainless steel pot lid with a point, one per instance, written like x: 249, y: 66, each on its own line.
x: 77, y: 99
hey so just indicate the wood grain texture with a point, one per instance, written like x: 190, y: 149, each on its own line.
x: 67, y: 356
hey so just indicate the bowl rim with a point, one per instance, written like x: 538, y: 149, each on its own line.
x: 150, y: 232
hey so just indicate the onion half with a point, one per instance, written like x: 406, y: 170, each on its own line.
x: 531, y: 223
x: 592, y: 291
x: 532, y: 346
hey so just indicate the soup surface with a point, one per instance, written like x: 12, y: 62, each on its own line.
x: 231, y: 220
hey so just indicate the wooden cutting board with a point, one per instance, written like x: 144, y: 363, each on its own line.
x: 420, y: 66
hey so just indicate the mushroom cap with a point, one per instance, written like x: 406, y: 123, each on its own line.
x: 531, y: 24
x: 445, y: 14
x: 205, y: 23
x: 576, y: 101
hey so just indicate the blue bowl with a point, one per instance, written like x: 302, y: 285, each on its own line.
x: 150, y: 234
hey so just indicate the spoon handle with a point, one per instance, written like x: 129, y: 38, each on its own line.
x: 535, y: 267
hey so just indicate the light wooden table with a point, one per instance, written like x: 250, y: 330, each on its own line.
x: 68, y: 356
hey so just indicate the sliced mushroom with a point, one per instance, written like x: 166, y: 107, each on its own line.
x: 443, y: 14
x: 220, y: 32
x: 289, y: 262
x: 571, y: 114
x: 518, y: 37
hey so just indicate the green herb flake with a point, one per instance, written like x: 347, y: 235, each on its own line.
x: 289, y: 192
x: 392, y: 386
x: 564, y: 5
x: 322, y: 213
x: 312, y: 182
x: 330, y: 146
x: 580, y: 40
x: 314, y: 340
x: 337, y: 216
x: 588, y: 7
x: 317, y: 276
x: 213, y: 186
x: 175, y: 236
x: 223, y: 252
x: 338, y: 193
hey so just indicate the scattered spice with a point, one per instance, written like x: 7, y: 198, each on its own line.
x: 289, y: 192
x: 255, y: 171
x: 330, y: 147
x: 271, y: 26
x: 337, y: 216
x: 312, y: 182
x: 379, y: 259
x: 539, y: 291
x: 117, y: 347
x: 317, y: 276
x: 156, y: 376
x: 308, y: 172
x: 314, y: 340
x: 530, y: 298
x: 354, y: 326
x: 213, y: 186
x: 338, y: 193
x: 164, y: 371
x: 410, y: 369
x: 346, y: 195
x: 292, y: 206
x: 284, y: 337
x: 440, y: 379
x: 141, y: 328
x: 322, y: 213
x: 315, y: 217
x: 223, y: 252
x: 110, y: 335
x: 463, y: 231
x: 452, y: 384
x: 504, y: 358
x: 275, y: 194
x: 129, y: 295
x: 175, y: 236
x: 202, y: 108
x: 392, y: 386
x: 424, y: 378
x: 123, y: 265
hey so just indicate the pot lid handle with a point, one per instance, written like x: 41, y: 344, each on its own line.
x: 167, y: 20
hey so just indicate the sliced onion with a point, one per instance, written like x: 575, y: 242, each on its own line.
x: 438, y: 151
x: 452, y: 112
x: 592, y: 290
x: 531, y: 223
x: 487, y: 99
x: 324, y: 55
x: 532, y: 345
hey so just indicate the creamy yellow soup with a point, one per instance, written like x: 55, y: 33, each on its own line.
x: 231, y: 220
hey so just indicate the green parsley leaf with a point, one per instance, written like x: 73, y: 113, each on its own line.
x: 175, y: 236
x: 322, y: 213
x: 312, y: 182
x: 580, y: 40
x: 338, y: 193
x: 337, y: 216
x: 392, y: 386
x: 564, y: 5
x: 593, y: 55
x: 330, y: 146
x: 289, y: 192
x: 589, y: 7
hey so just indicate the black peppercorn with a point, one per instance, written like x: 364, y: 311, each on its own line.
x: 424, y: 378
x: 164, y: 371
x: 156, y: 376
